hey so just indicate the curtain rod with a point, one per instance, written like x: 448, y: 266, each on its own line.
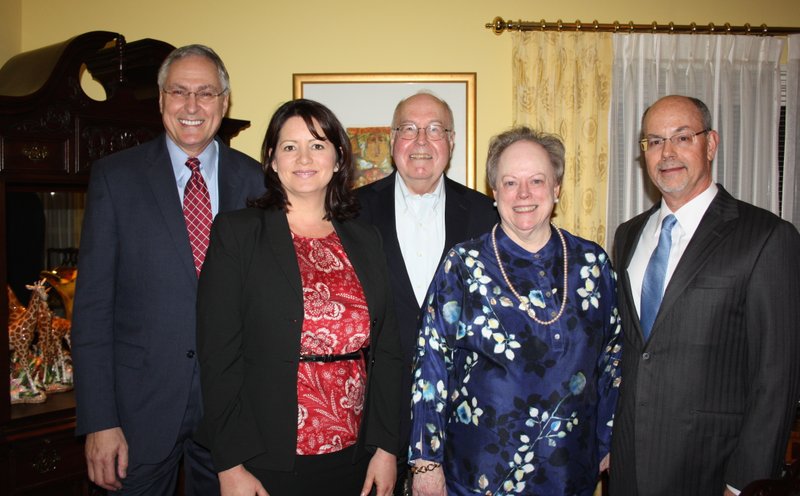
x: 498, y: 25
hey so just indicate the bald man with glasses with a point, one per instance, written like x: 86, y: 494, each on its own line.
x: 421, y: 214
x: 708, y: 293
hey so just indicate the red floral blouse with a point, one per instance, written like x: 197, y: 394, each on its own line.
x: 330, y: 396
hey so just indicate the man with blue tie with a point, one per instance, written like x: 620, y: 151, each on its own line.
x: 708, y: 293
x: 143, y: 243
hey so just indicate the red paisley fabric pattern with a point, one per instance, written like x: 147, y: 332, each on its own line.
x: 330, y: 396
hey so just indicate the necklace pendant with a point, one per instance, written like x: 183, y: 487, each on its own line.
x: 524, y: 306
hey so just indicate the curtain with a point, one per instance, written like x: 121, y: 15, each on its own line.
x: 561, y: 84
x: 737, y: 77
x: 791, y: 152
x: 63, y: 212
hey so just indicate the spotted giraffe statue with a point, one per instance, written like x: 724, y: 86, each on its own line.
x: 22, y: 322
x: 56, y: 363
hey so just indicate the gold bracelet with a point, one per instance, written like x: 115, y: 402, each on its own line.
x: 425, y: 468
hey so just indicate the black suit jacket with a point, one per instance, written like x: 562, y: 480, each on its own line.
x: 710, y: 398
x: 133, y: 328
x: 250, y: 316
x: 467, y: 214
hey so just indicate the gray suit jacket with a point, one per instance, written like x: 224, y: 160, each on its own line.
x: 133, y: 329
x: 467, y: 214
x: 710, y: 398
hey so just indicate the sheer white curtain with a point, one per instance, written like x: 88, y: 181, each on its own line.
x: 737, y: 77
x: 791, y: 151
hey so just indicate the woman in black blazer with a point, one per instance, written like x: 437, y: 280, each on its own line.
x: 298, y: 346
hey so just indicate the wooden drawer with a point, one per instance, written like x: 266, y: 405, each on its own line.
x: 45, y: 460
x: 42, y: 155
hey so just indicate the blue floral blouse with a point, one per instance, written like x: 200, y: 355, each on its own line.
x: 507, y: 405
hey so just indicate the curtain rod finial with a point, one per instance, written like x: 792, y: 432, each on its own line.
x: 498, y: 25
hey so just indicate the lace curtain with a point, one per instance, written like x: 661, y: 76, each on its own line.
x: 561, y: 85
x: 791, y: 152
x: 738, y: 77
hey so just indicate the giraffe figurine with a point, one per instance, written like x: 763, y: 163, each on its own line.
x: 56, y: 368
x: 22, y: 322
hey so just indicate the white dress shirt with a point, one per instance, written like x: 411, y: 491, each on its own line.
x: 419, y: 220
x: 209, y: 165
x: 688, y: 217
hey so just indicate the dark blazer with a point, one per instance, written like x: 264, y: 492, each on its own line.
x: 133, y: 329
x: 250, y: 316
x: 467, y: 214
x: 710, y: 398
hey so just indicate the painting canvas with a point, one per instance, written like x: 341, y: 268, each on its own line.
x: 365, y: 104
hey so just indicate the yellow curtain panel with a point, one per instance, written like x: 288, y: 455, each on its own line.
x: 562, y: 85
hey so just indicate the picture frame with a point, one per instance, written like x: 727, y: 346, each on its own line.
x: 365, y: 103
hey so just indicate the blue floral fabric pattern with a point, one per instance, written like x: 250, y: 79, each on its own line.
x: 507, y: 405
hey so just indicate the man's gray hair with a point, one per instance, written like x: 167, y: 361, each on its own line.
x: 444, y: 104
x: 194, y: 51
x: 702, y: 108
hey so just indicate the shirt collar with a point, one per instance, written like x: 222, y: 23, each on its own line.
x: 437, y: 195
x: 691, y: 213
x: 178, y: 157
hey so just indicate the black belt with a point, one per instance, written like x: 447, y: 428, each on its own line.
x: 356, y: 355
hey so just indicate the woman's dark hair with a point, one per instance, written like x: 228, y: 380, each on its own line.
x: 340, y: 201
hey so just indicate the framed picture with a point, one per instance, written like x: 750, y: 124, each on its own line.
x: 365, y: 104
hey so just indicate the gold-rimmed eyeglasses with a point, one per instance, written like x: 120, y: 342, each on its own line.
x: 680, y: 140
x: 410, y: 131
x: 203, y: 96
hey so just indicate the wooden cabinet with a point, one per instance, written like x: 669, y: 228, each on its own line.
x: 50, y: 133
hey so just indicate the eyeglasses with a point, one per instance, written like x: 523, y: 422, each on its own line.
x: 204, y: 96
x: 410, y: 131
x: 680, y: 140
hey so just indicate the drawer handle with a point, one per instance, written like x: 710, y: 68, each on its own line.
x: 46, y: 460
x: 35, y: 153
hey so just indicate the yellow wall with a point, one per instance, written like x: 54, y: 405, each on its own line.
x: 10, y: 28
x: 264, y: 41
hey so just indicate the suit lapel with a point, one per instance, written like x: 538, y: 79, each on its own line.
x: 631, y: 240
x: 456, y: 211
x: 714, y: 226
x: 280, y: 242
x: 230, y: 180
x: 385, y: 219
x: 161, y: 179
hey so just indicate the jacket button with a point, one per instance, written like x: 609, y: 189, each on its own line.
x: 645, y: 356
x: 190, y: 354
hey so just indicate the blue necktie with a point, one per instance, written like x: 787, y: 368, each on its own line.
x: 654, y: 275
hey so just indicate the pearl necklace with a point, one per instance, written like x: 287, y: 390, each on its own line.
x: 524, y: 303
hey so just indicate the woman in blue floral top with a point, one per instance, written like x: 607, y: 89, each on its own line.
x: 517, y: 368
